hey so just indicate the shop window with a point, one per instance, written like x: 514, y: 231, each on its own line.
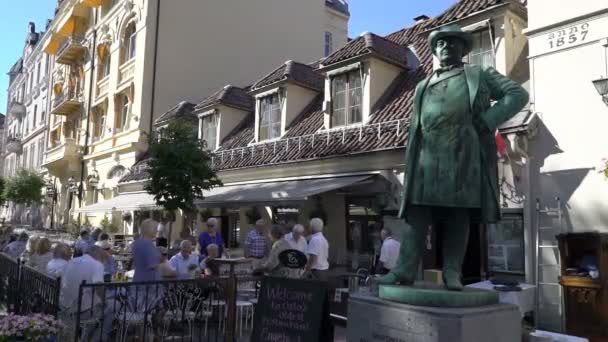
x: 346, y: 93
x: 270, y: 118
x: 235, y: 232
x: 506, y: 253
x: 363, y: 226
x: 482, y: 52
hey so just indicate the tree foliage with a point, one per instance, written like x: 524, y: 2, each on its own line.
x: 179, y: 167
x: 24, y: 188
x: 2, y: 186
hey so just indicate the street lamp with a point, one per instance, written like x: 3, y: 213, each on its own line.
x: 51, y: 192
x: 601, y: 85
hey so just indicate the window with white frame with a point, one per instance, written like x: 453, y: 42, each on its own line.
x: 329, y: 48
x: 269, y: 118
x: 34, y: 123
x: 129, y: 43
x: 40, y: 151
x: 32, y: 156
x: 346, y: 93
x: 209, y: 131
x: 482, y: 50
x: 105, y: 67
x: 99, y: 123
x: 122, y: 114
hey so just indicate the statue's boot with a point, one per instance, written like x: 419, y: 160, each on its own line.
x: 404, y: 272
x: 455, y: 239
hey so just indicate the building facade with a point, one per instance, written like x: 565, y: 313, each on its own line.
x: 119, y: 64
x: 26, y: 123
x: 568, y: 48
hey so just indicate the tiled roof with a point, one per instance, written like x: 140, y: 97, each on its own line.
x: 292, y: 71
x: 338, y: 5
x: 366, y: 44
x: 181, y: 110
x: 465, y: 8
x: 230, y: 96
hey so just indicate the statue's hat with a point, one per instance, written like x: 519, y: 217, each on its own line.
x: 451, y: 30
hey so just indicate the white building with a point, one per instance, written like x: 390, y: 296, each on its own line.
x: 26, y: 124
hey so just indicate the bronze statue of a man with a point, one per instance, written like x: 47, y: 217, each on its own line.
x: 451, y: 159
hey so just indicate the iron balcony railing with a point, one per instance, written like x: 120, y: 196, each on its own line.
x: 71, y: 41
x: 321, y: 138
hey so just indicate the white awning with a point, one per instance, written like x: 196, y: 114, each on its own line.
x: 274, y: 193
x: 123, y: 202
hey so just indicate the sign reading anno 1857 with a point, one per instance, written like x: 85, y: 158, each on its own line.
x: 568, y: 36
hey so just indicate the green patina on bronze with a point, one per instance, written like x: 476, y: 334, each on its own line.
x: 451, y: 175
x: 438, y: 297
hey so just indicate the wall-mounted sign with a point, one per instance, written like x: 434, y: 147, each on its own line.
x: 568, y: 36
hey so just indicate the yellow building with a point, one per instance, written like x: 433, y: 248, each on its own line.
x: 118, y: 64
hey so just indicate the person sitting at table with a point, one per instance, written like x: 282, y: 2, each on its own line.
x: 110, y: 266
x: 184, y: 262
x: 41, y: 255
x: 89, y: 269
x: 82, y: 244
x: 208, y: 266
x: 211, y: 236
x: 146, y: 256
x: 272, y: 265
x: 164, y: 268
x: 62, y: 253
x: 104, y: 237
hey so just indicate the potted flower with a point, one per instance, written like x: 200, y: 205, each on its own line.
x: 35, y: 327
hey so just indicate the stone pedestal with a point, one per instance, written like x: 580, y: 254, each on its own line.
x: 373, y: 319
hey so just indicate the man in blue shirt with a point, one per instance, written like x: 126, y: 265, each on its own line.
x: 183, y: 262
x: 146, y: 256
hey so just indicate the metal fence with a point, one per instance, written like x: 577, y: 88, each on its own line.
x: 206, y: 309
x: 9, y: 283
x: 24, y: 290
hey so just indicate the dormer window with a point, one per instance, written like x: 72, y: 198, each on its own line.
x: 270, y: 117
x: 346, y: 94
x: 482, y: 50
x: 209, y: 130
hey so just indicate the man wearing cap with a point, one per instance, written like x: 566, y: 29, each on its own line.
x: 451, y: 163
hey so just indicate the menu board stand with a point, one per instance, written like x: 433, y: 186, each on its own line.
x: 292, y: 310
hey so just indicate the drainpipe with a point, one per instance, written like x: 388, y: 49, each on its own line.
x: 85, y: 150
x: 154, y: 66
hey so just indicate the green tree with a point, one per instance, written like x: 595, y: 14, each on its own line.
x: 24, y: 188
x: 179, y: 168
x: 2, y: 186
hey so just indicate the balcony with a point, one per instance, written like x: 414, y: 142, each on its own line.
x: 126, y: 73
x: 14, y: 145
x: 63, y: 157
x: 17, y: 110
x: 67, y: 102
x: 103, y: 86
x: 71, y: 50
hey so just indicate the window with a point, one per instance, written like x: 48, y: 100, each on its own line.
x: 363, y: 225
x: 122, y: 114
x: 481, y: 52
x: 346, y: 95
x: 506, y: 244
x: 209, y: 131
x: 47, y: 64
x: 43, y: 115
x: 105, y: 67
x: 35, y: 115
x: 25, y: 151
x: 99, y: 123
x: 130, y: 43
x: 270, y: 117
x: 38, y: 73
x: 328, y: 44
x: 40, y: 151
x: 32, y: 156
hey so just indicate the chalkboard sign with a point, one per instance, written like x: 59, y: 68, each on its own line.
x: 292, y: 310
x: 292, y: 258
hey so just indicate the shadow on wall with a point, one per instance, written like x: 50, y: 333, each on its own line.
x: 547, y: 186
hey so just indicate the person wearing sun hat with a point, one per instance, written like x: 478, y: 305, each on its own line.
x: 451, y: 161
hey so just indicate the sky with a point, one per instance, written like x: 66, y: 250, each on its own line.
x: 378, y: 16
